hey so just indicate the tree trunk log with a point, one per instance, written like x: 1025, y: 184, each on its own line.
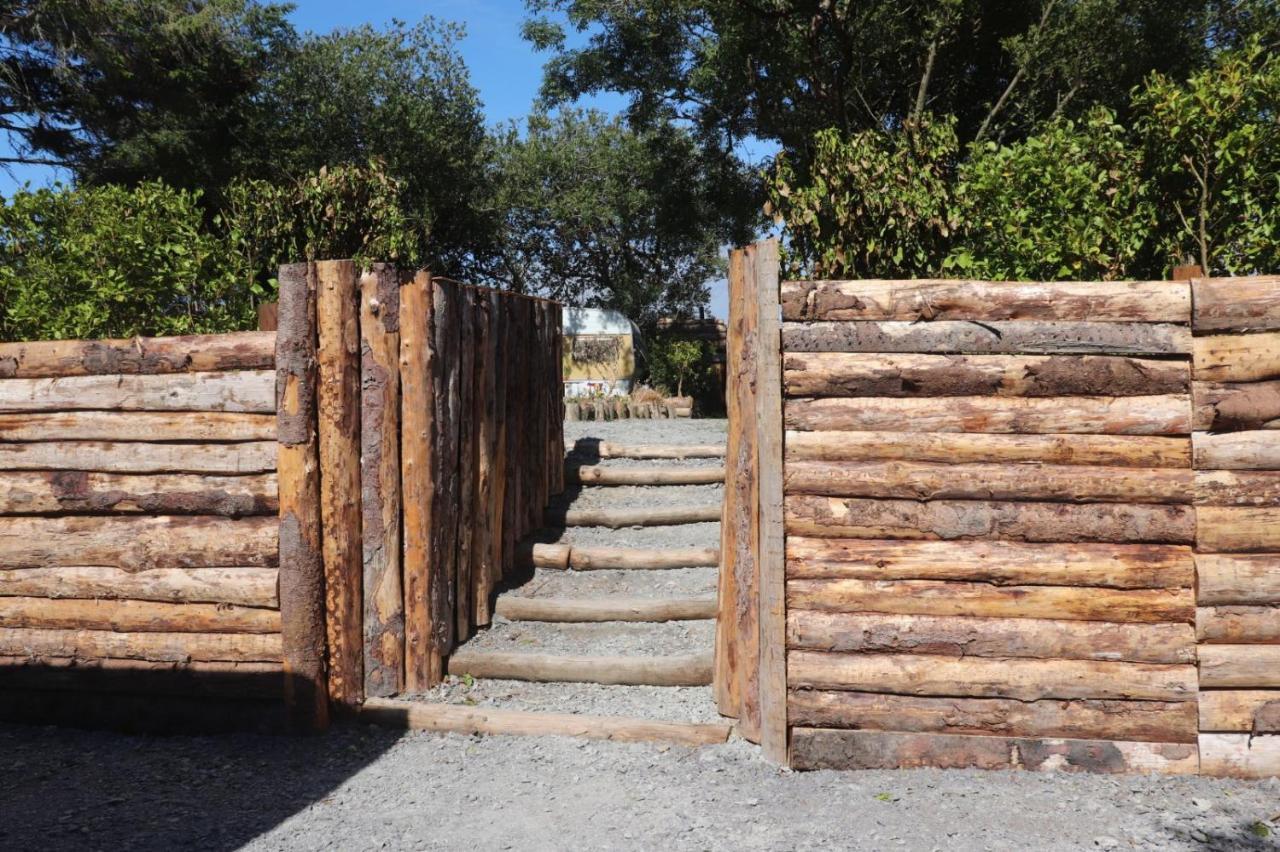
x: 249, y: 350
x: 596, y: 475
x: 1238, y: 624
x: 1238, y: 580
x: 250, y: 391
x: 605, y: 609
x: 1019, y: 337
x: 1248, y: 303
x: 692, y: 670
x: 137, y: 543
x: 1250, y: 711
x: 1228, y: 529
x: 632, y: 517
x: 243, y: 586
x: 1259, y: 450
x: 1239, y: 756
x: 968, y: 448
x: 136, y: 616
x: 209, y: 426
x: 77, y: 492
x: 161, y: 647
x: 1235, y: 407
x: 1237, y: 357
x: 1239, y: 666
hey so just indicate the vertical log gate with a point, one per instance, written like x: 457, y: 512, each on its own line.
x: 420, y: 437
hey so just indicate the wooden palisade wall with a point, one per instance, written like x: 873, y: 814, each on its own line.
x: 138, y: 531
x: 1236, y: 451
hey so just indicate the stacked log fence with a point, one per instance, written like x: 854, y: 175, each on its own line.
x: 1024, y: 524
x: 138, y: 532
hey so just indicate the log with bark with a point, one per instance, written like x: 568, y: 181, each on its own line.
x: 247, y: 350
x: 1018, y: 337
x: 243, y: 586
x: 1235, y: 407
x: 79, y: 492
x: 137, y: 543
x: 1237, y: 488
x: 204, y: 426
x: 250, y: 391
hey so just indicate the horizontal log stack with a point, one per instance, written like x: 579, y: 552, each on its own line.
x: 139, y: 532
x: 989, y: 517
x: 1236, y: 449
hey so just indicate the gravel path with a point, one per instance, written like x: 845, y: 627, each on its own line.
x: 667, y: 583
x: 709, y: 431
x: 639, y: 496
x: 665, y: 703
x: 605, y: 638
x: 679, y: 535
x: 366, y: 789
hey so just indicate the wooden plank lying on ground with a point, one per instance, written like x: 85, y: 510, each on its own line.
x: 1167, y: 414
x: 136, y: 616
x: 243, y: 586
x: 1240, y: 710
x: 1237, y: 529
x: 965, y: 448
x: 251, y: 391
x: 632, y: 516
x: 1239, y: 755
x: 686, y: 670
x: 452, y: 718
x: 606, y: 450
x: 820, y: 748
x: 1033, y: 638
x: 78, y: 492
x: 1237, y: 488
x: 598, y: 475
x: 911, y: 375
x: 248, y: 350
x: 1237, y: 357
x: 207, y: 426
x: 1148, y: 721
x: 139, y: 457
x: 586, y: 558
x: 947, y: 598
x: 1222, y: 407
x: 835, y: 517
x: 605, y: 609
x: 1226, y: 580
x: 1239, y: 666
x: 1254, y: 450
x: 1120, y: 566
x: 139, y: 542
x: 938, y: 481
x: 1019, y: 337
x: 171, y: 647
x: 1238, y: 624
x: 1250, y: 302
x: 955, y: 299
x: 1025, y: 680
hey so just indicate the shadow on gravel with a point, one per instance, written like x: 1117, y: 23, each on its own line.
x: 74, y: 789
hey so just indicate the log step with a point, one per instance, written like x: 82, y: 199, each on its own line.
x: 605, y: 609
x: 682, y: 670
x: 600, y: 475
x: 632, y: 516
x: 453, y: 718
x: 606, y: 450
x: 585, y: 558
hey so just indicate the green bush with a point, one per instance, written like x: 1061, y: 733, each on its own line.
x: 684, y: 367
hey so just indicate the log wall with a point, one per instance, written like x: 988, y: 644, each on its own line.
x: 138, y: 531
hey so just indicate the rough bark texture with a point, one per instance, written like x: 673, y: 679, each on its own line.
x: 999, y: 337
x: 251, y: 350
x: 81, y: 492
x: 1249, y: 303
x: 1234, y: 407
x: 130, y: 425
x: 249, y: 391
x: 958, y: 448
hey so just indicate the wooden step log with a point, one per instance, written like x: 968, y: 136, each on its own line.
x: 683, y: 670
x: 601, y: 475
x: 638, y: 516
x: 606, y: 450
x: 518, y: 608
x: 585, y: 558
x: 453, y: 718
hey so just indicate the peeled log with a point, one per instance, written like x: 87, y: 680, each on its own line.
x: 1022, y: 637
x: 1235, y: 666
x: 1120, y: 566
x: 605, y: 609
x: 985, y: 301
x: 1238, y: 624
x: 1241, y: 580
x: 161, y: 647
x: 1127, y: 415
x: 619, y: 558
x: 1025, y: 680
x: 1239, y: 756
x: 632, y: 517
x: 1150, y: 721
x: 596, y: 475
x: 1234, y: 488
x: 1235, y: 407
x: 688, y: 670
x: 246, y: 350
x: 1256, y: 450
x: 606, y: 450
x: 78, y: 492
x: 251, y: 391
x: 945, y: 598
x: 139, y: 457
x: 1250, y: 302
x: 821, y: 748
x: 1228, y: 529
x: 1253, y: 711
x: 243, y: 586
x: 961, y: 448
x: 831, y: 517
x: 206, y: 426
x: 937, y: 481
x: 1237, y: 357
x: 1020, y: 337
x: 137, y: 542
x: 909, y: 375
x: 140, y: 616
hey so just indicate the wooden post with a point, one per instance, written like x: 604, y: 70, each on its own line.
x: 380, y: 480
x: 337, y: 309
x: 484, y: 414
x: 771, y: 559
x: 467, y: 462
x: 424, y: 667
x: 445, y: 376
x: 298, y: 465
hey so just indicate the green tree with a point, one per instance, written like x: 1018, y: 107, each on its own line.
x: 600, y: 215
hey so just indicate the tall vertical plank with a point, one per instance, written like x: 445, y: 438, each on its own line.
x: 337, y: 309
x: 557, y: 365
x: 725, y: 679
x: 423, y: 665
x: 467, y: 462
x: 298, y: 471
x: 445, y: 377
x: 502, y: 359
x: 484, y: 414
x: 772, y: 562
x: 380, y: 480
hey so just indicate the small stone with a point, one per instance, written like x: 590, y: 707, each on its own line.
x: 1105, y: 842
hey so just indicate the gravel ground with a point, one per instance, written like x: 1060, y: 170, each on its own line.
x: 679, y: 535
x: 672, y: 583
x: 665, y: 703
x: 639, y: 496
x: 646, y: 463
x: 604, y: 638
x: 365, y: 789
x: 647, y: 431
